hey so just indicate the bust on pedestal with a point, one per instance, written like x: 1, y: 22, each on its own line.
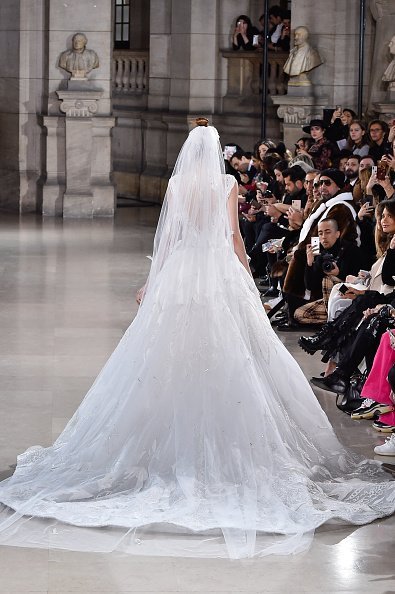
x: 389, y: 74
x: 86, y: 152
x: 299, y: 105
x: 79, y: 61
x: 302, y: 59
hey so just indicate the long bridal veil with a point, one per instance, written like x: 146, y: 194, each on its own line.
x: 200, y: 436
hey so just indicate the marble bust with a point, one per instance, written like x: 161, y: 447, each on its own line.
x: 79, y: 61
x: 389, y: 74
x: 302, y: 58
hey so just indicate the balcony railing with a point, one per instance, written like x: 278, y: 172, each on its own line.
x: 130, y: 72
x: 245, y: 78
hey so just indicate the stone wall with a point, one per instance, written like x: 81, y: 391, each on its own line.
x: 9, y: 103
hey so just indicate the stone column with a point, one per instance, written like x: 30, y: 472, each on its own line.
x: 79, y: 120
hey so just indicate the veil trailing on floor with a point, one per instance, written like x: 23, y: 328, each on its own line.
x: 201, y: 435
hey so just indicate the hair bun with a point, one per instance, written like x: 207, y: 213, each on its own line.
x: 201, y: 121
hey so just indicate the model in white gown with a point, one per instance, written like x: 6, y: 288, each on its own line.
x: 201, y: 435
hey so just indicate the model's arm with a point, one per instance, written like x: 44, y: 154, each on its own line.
x: 238, y: 242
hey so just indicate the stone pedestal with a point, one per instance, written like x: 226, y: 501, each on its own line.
x: 296, y: 111
x: 79, y: 158
x: 385, y: 111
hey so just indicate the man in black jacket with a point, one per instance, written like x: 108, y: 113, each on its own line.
x: 336, y: 259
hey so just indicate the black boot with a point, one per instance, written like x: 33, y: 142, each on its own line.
x: 336, y: 382
x: 312, y: 344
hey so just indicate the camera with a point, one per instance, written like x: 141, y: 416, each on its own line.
x: 328, y: 262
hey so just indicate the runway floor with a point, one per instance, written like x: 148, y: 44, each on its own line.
x: 66, y: 297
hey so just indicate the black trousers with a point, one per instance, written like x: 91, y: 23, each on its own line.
x: 363, y: 346
x: 343, y: 329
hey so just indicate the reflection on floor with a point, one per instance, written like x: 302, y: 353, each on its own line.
x: 67, y: 295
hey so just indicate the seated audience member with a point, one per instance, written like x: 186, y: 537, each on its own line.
x: 335, y: 203
x: 229, y: 150
x: 278, y: 169
x: 312, y: 187
x: 252, y: 220
x: 380, y: 189
x: 336, y: 259
x: 351, y: 169
x: 296, y: 216
x: 339, y: 335
x: 243, y: 162
x: 341, y: 159
x: 278, y: 225
x: 280, y: 150
x: 364, y: 175
x: 262, y: 146
x: 366, y: 280
x: 378, y: 392
x: 358, y: 141
x: 366, y: 225
x: 389, y: 159
x: 378, y: 134
x: 339, y: 129
x: 322, y: 151
x: 243, y: 34
x: 294, y: 191
x: 269, y: 162
x: 303, y: 144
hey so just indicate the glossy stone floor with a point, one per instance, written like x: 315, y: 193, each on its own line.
x: 66, y: 296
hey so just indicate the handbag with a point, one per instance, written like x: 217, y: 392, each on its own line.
x: 351, y: 399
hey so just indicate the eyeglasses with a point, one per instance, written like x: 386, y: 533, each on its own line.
x: 325, y: 182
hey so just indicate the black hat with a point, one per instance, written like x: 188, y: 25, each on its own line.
x: 336, y: 176
x: 319, y: 123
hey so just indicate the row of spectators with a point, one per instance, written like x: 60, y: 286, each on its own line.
x: 319, y: 227
x: 247, y: 37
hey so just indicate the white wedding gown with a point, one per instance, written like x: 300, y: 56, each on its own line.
x: 200, y: 436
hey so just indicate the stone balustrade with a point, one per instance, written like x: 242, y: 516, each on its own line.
x: 130, y: 72
x: 245, y: 78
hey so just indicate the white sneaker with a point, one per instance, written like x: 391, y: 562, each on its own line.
x: 388, y: 447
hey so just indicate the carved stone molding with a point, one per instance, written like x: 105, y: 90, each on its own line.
x: 77, y: 104
x: 294, y: 115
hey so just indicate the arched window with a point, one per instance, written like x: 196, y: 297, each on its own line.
x: 122, y: 24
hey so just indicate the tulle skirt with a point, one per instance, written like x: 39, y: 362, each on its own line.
x: 200, y: 436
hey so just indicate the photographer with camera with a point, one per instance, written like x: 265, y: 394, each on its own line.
x: 332, y: 260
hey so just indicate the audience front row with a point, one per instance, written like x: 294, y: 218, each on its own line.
x: 322, y: 245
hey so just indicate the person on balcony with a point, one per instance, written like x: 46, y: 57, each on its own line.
x: 283, y: 44
x: 243, y: 34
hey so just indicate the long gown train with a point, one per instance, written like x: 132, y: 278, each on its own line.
x: 200, y: 436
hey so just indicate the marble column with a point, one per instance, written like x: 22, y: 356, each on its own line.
x: 79, y: 121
